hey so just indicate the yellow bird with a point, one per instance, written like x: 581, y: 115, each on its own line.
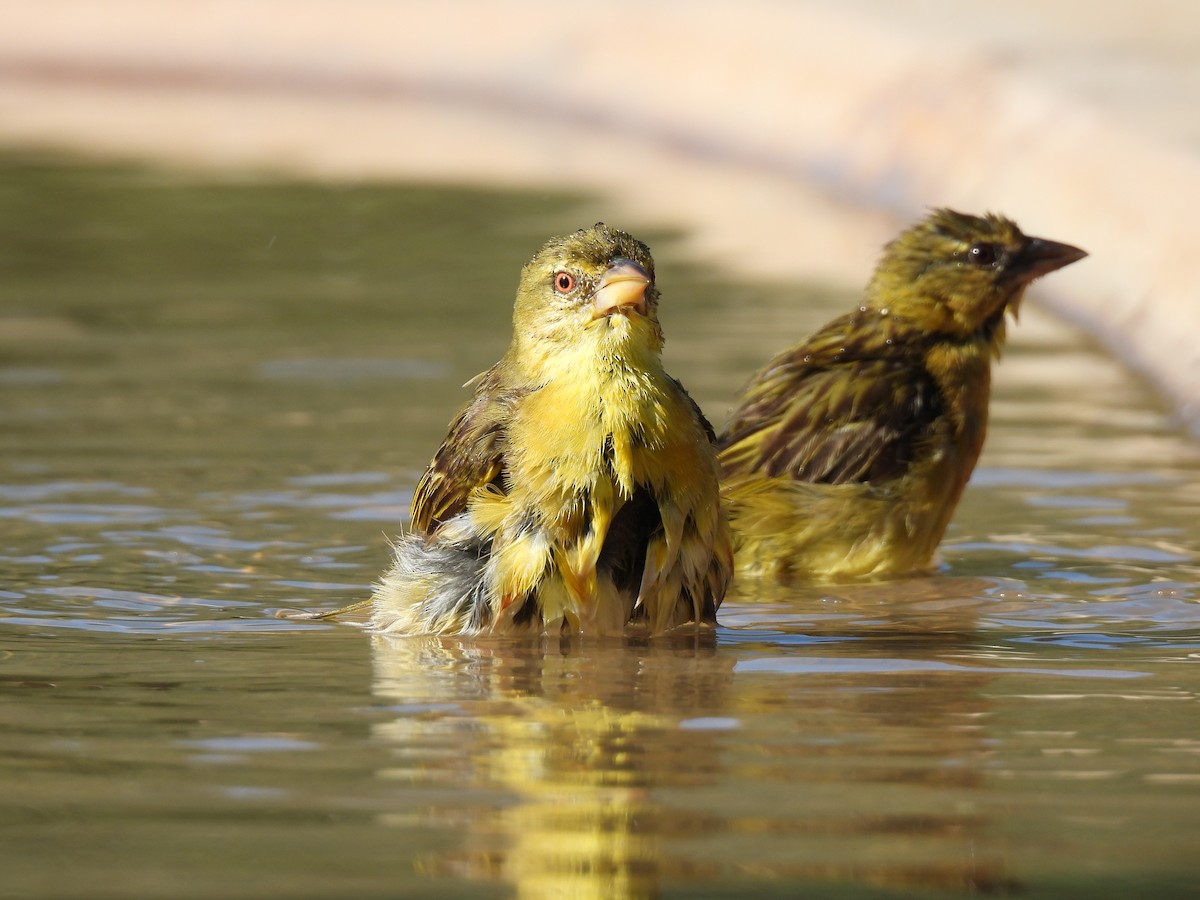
x: 847, y: 454
x: 577, y: 492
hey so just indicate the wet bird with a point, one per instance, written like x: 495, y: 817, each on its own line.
x: 577, y: 491
x: 847, y: 454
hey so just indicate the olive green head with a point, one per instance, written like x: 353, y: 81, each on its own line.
x: 595, y: 285
x: 957, y: 274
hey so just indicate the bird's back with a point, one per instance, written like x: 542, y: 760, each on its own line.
x: 846, y: 454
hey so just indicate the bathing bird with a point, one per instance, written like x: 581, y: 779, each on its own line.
x: 846, y: 455
x: 577, y: 490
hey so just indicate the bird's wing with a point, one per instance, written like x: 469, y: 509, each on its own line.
x: 695, y: 407
x: 471, y: 456
x: 848, y: 405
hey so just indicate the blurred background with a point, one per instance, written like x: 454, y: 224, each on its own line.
x: 784, y: 139
x: 251, y: 251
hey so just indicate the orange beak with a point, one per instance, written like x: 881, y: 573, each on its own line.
x: 622, y: 288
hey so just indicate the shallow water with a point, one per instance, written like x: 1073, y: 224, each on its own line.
x: 217, y: 398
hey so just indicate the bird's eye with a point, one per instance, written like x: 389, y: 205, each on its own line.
x: 564, y: 282
x: 981, y: 254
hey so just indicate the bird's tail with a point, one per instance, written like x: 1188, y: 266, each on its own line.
x: 437, y: 589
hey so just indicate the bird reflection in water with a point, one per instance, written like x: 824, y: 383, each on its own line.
x: 614, y: 769
x: 582, y: 739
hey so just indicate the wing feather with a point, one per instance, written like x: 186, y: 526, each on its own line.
x: 470, y: 457
x: 848, y: 405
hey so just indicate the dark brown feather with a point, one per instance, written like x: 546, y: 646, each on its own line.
x: 851, y: 405
x: 623, y: 556
x: 471, y: 456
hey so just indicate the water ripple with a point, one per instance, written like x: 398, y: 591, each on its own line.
x: 813, y: 665
x: 84, y: 514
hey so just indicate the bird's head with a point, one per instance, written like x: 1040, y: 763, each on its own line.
x: 593, y: 289
x: 958, y: 274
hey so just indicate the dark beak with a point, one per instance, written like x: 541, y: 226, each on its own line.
x: 1041, y: 257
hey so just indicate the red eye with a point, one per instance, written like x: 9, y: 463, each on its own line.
x: 564, y: 282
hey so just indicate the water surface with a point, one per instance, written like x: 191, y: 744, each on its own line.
x: 217, y: 397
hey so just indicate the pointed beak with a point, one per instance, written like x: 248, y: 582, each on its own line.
x: 1041, y: 257
x: 622, y: 288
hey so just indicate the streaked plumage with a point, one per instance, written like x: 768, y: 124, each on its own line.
x: 577, y: 491
x: 847, y: 454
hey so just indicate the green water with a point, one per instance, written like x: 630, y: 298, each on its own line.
x: 217, y: 397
